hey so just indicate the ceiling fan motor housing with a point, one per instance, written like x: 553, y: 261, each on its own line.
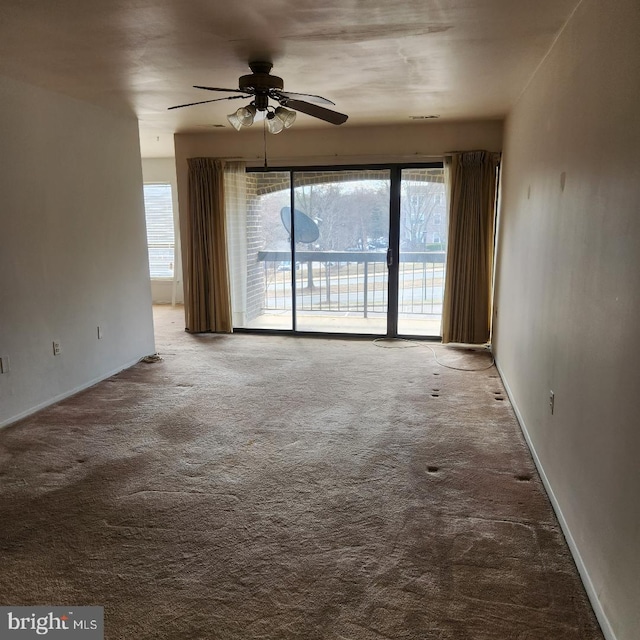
x: 260, y: 82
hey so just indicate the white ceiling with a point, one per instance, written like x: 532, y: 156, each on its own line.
x: 380, y: 61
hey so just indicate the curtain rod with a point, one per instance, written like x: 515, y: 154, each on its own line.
x: 332, y: 159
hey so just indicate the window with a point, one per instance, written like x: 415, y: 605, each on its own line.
x: 158, y: 205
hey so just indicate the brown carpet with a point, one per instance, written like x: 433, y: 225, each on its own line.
x: 260, y: 487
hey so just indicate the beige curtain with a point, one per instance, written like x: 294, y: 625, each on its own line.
x: 208, y: 302
x: 235, y: 192
x: 466, y: 313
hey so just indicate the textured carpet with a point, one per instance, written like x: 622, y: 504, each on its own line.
x: 250, y: 487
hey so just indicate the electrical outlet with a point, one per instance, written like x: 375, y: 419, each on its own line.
x: 57, y: 350
x: 552, y: 401
x: 5, y: 366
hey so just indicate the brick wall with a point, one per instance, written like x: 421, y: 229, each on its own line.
x: 269, y: 182
x: 255, y: 269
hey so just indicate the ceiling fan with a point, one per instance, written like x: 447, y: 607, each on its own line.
x: 262, y: 86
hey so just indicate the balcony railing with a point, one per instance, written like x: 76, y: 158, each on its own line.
x: 353, y: 281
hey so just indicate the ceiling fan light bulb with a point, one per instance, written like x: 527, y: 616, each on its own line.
x: 234, y: 121
x: 287, y: 116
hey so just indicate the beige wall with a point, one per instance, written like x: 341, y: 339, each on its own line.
x: 164, y: 170
x: 342, y: 144
x: 72, y: 247
x: 568, y: 292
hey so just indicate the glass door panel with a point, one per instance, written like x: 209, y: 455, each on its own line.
x: 341, y: 230
x: 260, y: 251
x: 423, y: 249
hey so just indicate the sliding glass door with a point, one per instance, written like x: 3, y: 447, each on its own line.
x: 339, y: 250
x: 341, y: 222
x: 422, y: 251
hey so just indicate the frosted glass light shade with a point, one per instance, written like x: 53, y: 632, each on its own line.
x: 287, y: 116
x: 243, y: 117
x: 246, y: 115
x: 274, y: 124
x: 234, y: 121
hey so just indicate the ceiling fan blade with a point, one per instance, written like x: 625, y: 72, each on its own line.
x: 316, y: 111
x: 195, y: 86
x: 191, y: 104
x: 305, y: 96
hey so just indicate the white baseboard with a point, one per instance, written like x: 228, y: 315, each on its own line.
x: 66, y: 394
x: 607, y: 630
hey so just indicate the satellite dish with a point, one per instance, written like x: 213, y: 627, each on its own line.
x: 306, y: 229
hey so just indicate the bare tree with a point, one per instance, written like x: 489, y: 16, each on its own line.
x: 348, y: 214
x: 420, y: 201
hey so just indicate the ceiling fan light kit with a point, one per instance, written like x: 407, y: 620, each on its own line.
x: 263, y: 86
x: 276, y: 119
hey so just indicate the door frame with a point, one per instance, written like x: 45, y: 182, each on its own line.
x: 393, y: 252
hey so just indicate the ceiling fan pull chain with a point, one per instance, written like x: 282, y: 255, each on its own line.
x: 264, y: 135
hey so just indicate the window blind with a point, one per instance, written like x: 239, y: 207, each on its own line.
x: 158, y: 206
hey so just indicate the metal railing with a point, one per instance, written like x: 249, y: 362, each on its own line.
x: 352, y: 281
